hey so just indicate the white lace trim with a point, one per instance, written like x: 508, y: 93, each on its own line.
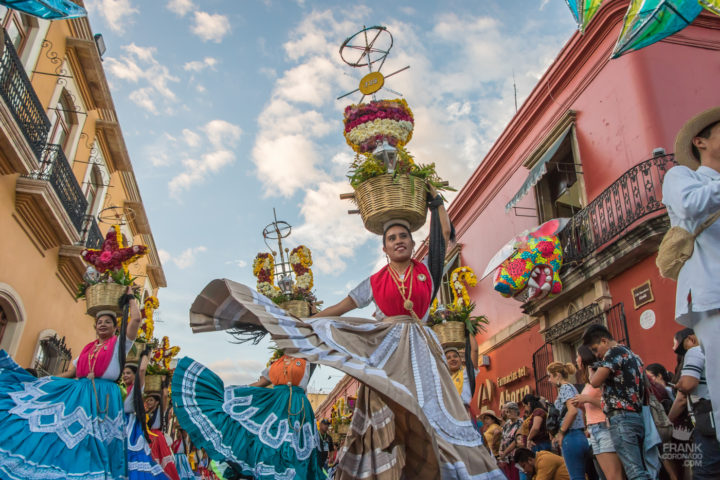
x: 239, y: 409
x: 17, y: 467
x: 213, y: 435
x: 458, y: 471
x: 429, y: 395
x: 46, y: 417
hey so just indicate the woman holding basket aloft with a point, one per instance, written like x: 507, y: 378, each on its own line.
x: 409, y: 421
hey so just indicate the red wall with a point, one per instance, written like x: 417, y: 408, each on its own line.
x: 654, y: 345
x: 349, y: 389
x: 507, y: 358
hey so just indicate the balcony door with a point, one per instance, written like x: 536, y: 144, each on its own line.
x: 62, y: 121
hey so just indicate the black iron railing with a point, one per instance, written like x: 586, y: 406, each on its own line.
x: 19, y: 95
x: 91, y: 235
x: 637, y: 193
x: 55, y: 168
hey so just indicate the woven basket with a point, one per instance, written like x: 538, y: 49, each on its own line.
x: 299, y: 308
x: 104, y: 296
x: 153, y: 383
x: 383, y: 198
x: 133, y: 355
x: 450, y: 334
x: 343, y: 428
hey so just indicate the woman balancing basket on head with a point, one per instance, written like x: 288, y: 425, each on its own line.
x: 409, y: 420
x: 264, y: 433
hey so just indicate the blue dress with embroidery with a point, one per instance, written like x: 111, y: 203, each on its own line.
x: 57, y: 428
x: 265, y: 433
x: 141, y: 465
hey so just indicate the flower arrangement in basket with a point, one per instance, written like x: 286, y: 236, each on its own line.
x: 295, y: 296
x: 160, y: 362
x: 107, y: 276
x: 450, y: 322
x: 388, y: 183
x: 341, y: 415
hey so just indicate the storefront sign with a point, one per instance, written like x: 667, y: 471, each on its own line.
x: 642, y: 295
x: 513, y: 376
x: 514, y: 396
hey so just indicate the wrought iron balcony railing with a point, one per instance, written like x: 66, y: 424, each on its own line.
x: 637, y: 193
x: 55, y: 169
x: 91, y: 235
x: 19, y: 95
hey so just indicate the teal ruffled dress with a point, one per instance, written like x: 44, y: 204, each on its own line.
x: 266, y: 433
x: 56, y: 428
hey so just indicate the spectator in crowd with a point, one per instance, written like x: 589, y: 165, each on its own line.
x: 492, y: 431
x: 590, y: 400
x: 691, y: 193
x: 510, y: 428
x: 325, y: 443
x: 693, y: 384
x: 535, y: 425
x: 571, y: 434
x: 620, y: 375
x: 659, y: 374
x: 541, y: 465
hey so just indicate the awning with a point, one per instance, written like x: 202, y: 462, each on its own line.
x: 538, y: 170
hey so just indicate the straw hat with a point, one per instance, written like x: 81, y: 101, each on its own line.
x: 683, y: 141
x: 490, y: 413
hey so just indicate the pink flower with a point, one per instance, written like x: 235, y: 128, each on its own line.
x: 106, y: 256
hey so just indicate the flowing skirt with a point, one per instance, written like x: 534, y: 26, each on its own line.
x: 409, y: 421
x: 183, y: 467
x: 162, y: 454
x: 59, y: 428
x: 141, y: 465
x: 266, y: 433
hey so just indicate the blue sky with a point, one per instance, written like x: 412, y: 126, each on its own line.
x: 229, y: 109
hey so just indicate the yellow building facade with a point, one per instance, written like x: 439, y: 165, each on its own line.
x: 65, y: 177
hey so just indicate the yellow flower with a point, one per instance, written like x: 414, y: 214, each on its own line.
x: 460, y: 279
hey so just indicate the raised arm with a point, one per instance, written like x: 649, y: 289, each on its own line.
x: 339, y: 309
x: 135, y: 317
x: 474, y: 351
x: 444, y: 218
x: 142, y: 368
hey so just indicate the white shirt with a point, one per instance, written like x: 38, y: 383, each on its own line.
x: 694, y: 366
x: 691, y: 196
x: 362, y: 295
x: 113, y: 370
x: 466, y: 392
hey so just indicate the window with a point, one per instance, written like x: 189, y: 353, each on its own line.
x: 62, y: 119
x: 559, y: 193
x: 94, y: 189
x: 18, y: 26
x: 3, y: 323
x: 445, y: 295
x: 53, y: 356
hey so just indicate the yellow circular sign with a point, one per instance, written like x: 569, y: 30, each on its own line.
x: 371, y: 83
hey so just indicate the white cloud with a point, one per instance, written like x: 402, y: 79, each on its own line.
x: 209, y: 153
x: 237, y: 263
x: 234, y: 371
x: 184, y: 260
x: 139, y: 66
x: 180, y: 7
x: 461, y: 102
x: 200, y: 65
x: 210, y: 27
x: 160, y: 150
x: 116, y: 13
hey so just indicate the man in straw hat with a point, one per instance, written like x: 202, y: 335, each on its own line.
x: 691, y: 192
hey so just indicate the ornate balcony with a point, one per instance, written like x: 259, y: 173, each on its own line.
x: 636, y: 194
x: 50, y: 200
x: 25, y: 124
x: 91, y: 235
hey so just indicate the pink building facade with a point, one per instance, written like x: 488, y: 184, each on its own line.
x: 591, y: 143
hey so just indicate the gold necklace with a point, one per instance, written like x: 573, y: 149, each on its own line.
x: 400, y: 284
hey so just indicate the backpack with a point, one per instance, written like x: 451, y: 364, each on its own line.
x: 677, y: 247
x: 553, y: 420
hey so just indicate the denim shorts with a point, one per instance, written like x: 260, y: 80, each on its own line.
x: 600, y: 439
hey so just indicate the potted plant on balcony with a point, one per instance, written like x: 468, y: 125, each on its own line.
x: 107, y: 276
x: 388, y: 183
x: 450, y: 322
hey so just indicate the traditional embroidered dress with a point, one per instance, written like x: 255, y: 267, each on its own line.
x: 159, y: 448
x: 141, y: 465
x: 181, y: 461
x: 265, y: 433
x: 61, y: 428
x: 409, y: 420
